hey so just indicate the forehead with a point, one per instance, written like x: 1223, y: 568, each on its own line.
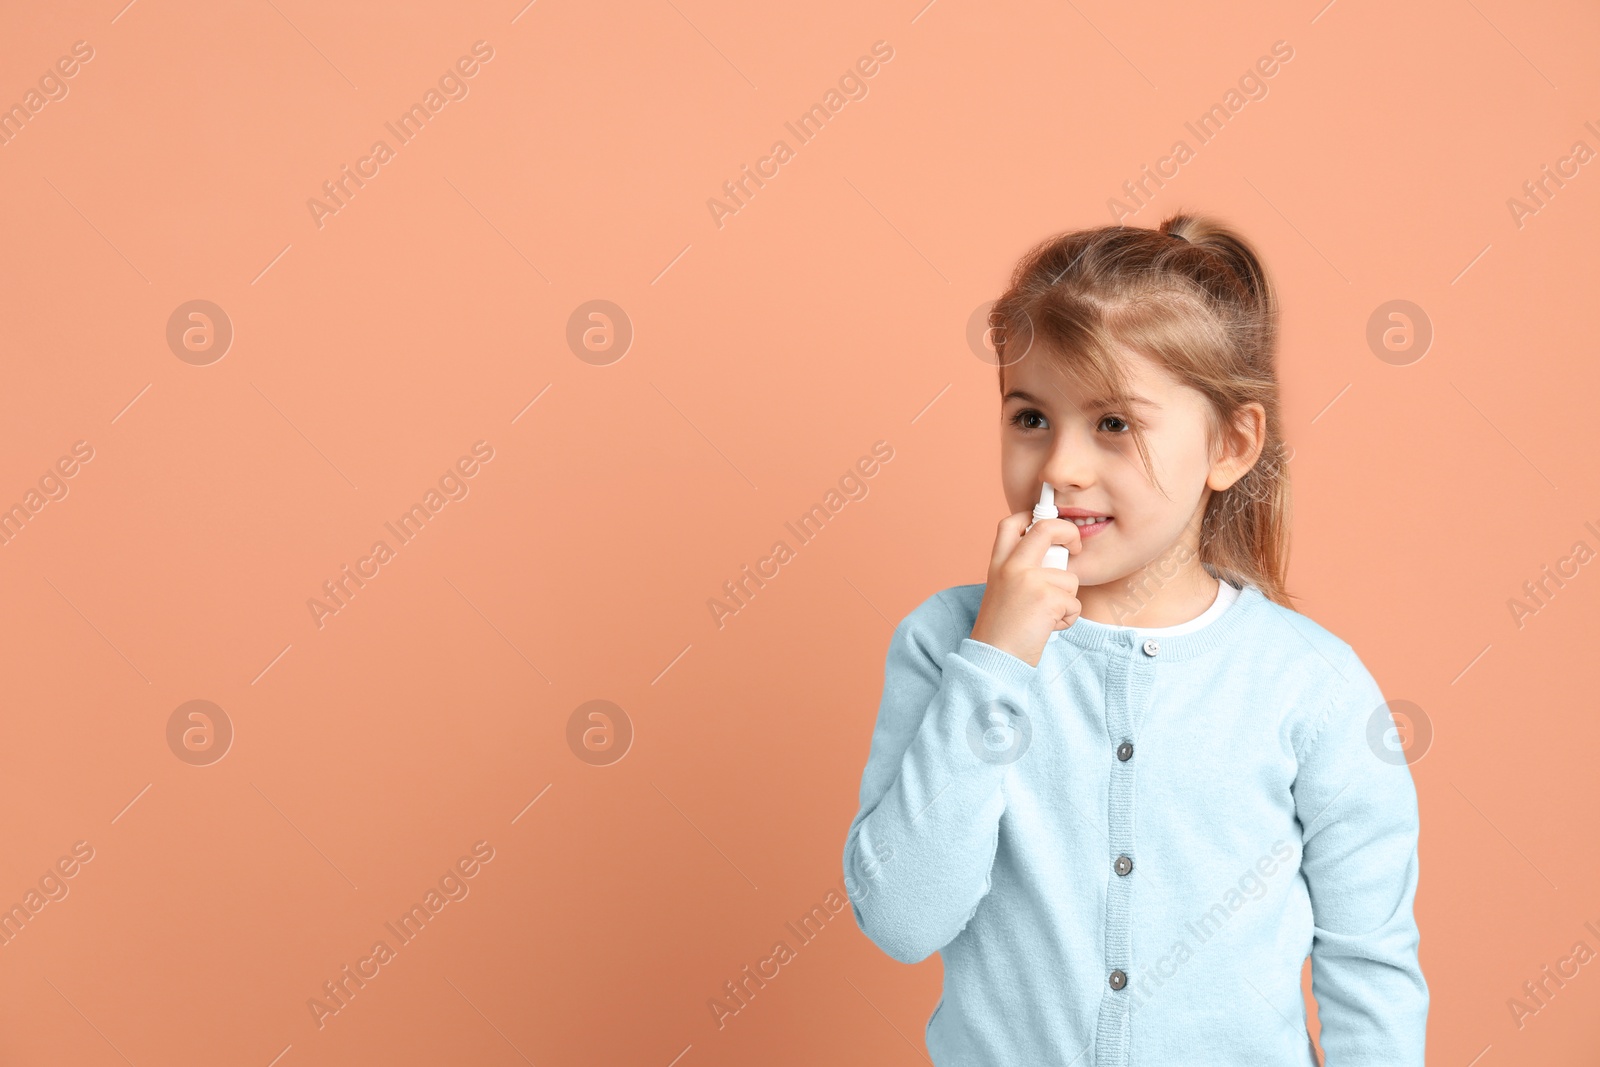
x: 1050, y: 380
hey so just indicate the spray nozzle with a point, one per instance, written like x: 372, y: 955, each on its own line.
x: 1046, y: 507
x: 1056, y: 555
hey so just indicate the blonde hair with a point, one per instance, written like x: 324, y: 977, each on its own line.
x: 1194, y: 297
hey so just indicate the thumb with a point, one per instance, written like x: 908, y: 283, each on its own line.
x: 1043, y: 534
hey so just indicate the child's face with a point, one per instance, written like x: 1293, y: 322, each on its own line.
x: 1055, y: 433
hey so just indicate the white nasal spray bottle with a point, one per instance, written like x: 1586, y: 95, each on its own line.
x: 1056, y: 555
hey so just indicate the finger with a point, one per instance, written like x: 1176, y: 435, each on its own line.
x: 1047, y: 532
x: 1064, y: 601
x: 1068, y: 619
x: 1065, y: 582
x: 1062, y: 593
x: 1007, y: 534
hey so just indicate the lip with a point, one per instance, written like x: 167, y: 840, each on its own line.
x: 1091, y: 531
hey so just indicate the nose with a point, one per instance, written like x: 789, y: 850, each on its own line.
x: 1070, y: 466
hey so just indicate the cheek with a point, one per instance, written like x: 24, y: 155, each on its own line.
x: 1017, y: 476
x: 1146, y: 515
x: 1131, y: 493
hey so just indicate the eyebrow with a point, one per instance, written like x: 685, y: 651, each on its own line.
x: 1100, y: 402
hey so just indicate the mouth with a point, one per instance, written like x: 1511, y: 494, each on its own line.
x: 1089, y: 524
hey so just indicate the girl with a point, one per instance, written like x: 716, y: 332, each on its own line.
x: 1125, y: 800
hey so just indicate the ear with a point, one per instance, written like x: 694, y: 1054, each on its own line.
x: 1241, y: 447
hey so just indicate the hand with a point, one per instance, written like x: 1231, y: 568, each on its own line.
x: 1025, y: 601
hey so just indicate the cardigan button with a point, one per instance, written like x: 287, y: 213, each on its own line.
x: 1151, y: 647
x: 1118, y: 979
x: 1123, y: 865
x: 1125, y: 751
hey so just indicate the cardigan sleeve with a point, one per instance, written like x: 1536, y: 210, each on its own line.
x: 918, y: 855
x: 1357, y: 807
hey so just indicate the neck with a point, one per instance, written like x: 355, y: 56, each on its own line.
x: 1148, y: 597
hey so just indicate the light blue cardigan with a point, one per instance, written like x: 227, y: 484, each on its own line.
x: 1155, y: 909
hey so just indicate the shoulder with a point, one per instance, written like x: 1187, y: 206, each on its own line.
x: 941, y: 622
x: 1334, y: 676
x: 1302, y: 643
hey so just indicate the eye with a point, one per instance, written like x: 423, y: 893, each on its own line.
x: 1117, y: 419
x: 1019, y: 420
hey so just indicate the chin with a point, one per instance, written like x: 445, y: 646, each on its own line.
x: 1090, y: 574
x: 1101, y: 573
x: 1093, y: 580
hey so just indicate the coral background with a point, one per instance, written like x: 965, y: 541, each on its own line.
x: 446, y: 702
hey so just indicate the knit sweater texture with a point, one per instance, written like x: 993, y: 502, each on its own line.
x: 1125, y: 854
